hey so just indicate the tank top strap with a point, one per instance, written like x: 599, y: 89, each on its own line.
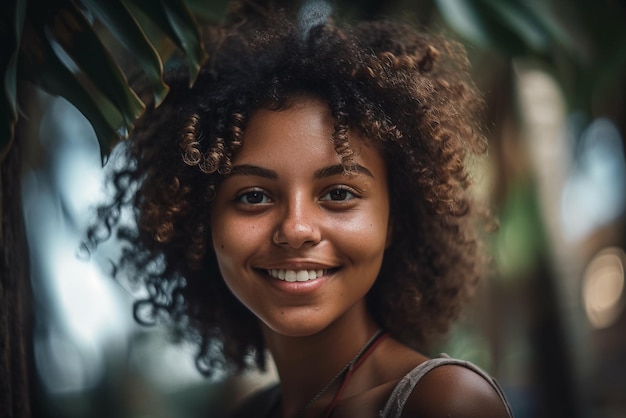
x: 404, y: 388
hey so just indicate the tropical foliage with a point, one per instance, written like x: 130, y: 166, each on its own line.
x: 65, y: 46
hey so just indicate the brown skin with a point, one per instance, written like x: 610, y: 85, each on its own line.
x: 290, y: 217
x: 287, y: 205
x: 447, y: 391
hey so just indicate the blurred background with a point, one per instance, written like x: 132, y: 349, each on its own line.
x: 549, y: 324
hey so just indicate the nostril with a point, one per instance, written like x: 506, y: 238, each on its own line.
x: 296, y: 235
x: 298, y: 224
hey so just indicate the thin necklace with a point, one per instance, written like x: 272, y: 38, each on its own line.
x: 345, y: 368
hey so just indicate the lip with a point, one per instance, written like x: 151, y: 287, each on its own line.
x: 297, y: 265
x: 298, y: 288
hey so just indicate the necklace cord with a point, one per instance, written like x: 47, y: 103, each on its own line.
x: 345, y: 368
x: 364, y: 353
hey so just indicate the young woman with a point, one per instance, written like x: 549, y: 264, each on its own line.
x: 308, y: 198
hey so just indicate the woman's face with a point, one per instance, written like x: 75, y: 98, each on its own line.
x: 298, y: 242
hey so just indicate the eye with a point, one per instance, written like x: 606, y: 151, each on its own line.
x: 339, y: 194
x: 253, y: 197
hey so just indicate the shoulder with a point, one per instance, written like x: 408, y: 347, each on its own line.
x: 259, y: 403
x: 455, y: 390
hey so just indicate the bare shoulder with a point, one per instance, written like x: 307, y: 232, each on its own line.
x: 454, y: 391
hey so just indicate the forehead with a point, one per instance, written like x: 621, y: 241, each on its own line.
x: 299, y: 137
x: 303, y: 125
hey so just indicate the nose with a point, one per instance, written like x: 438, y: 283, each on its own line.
x: 298, y: 225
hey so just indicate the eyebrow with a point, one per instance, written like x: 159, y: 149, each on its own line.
x: 253, y: 170
x: 333, y: 170
x: 338, y: 169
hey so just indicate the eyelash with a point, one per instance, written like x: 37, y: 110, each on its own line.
x: 240, y: 198
x: 347, y: 194
x: 344, y: 189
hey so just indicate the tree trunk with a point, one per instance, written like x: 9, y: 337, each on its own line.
x: 15, y: 294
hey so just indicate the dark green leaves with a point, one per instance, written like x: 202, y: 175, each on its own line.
x: 118, y: 20
x: 177, y: 23
x: 511, y: 26
x: 61, y: 51
x: 209, y: 10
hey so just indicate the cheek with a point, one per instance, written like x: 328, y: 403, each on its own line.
x: 229, y: 241
x: 223, y: 237
x: 225, y: 228
x: 230, y: 258
x: 235, y: 241
x: 363, y: 237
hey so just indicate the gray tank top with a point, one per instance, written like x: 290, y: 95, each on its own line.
x: 402, y: 391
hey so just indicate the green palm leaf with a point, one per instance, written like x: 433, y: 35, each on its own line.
x: 40, y: 65
x: 71, y: 30
x: 116, y: 17
x: 175, y: 20
x: 508, y: 26
x: 61, y: 51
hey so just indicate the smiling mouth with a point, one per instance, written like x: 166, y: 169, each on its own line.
x: 298, y: 275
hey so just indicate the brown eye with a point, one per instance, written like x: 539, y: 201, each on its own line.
x: 338, y: 195
x: 253, y: 197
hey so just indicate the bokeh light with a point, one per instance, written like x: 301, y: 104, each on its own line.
x: 603, y: 287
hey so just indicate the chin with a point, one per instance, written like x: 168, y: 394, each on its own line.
x: 295, y: 327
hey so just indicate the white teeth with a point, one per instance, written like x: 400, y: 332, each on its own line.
x: 293, y: 276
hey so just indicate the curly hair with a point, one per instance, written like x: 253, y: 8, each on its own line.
x: 406, y: 91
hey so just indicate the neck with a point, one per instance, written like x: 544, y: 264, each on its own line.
x: 307, y: 364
